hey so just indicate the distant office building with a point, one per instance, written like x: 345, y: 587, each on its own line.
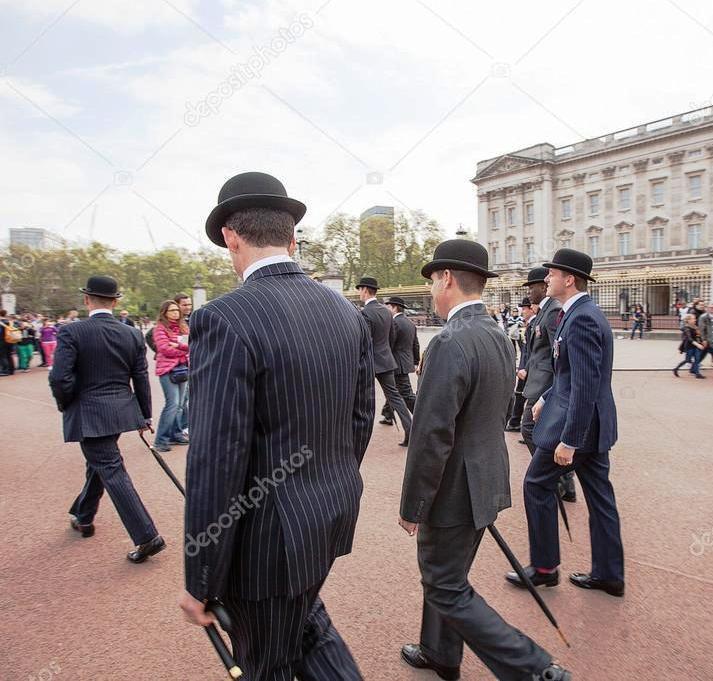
x: 34, y: 237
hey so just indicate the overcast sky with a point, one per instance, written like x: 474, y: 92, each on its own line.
x: 120, y: 120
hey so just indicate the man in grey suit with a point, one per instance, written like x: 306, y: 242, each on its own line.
x: 457, y: 475
x: 282, y: 408
x: 96, y: 362
x: 407, y: 354
x: 538, y: 373
x: 383, y: 333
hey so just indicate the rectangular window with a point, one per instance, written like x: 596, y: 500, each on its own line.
x: 657, y: 240
x: 694, y: 236
x: 566, y: 209
x: 594, y: 246
x: 510, y: 211
x: 530, y: 213
x: 624, y: 243
x: 624, y: 198
x: 495, y: 219
x: 695, y: 184
x: 512, y: 253
x: 657, y: 192
x: 530, y: 252
x: 694, y: 153
x: 496, y: 257
x: 594, y: 204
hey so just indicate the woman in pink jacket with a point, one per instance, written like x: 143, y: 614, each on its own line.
x: 171, y: 339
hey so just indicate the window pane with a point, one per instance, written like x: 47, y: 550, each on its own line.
x: 566, y: 208
x: 694, y: 236
x: 694, y: 186
x: 594, y: 246
x: 593, y: 204
x: 624, y: 198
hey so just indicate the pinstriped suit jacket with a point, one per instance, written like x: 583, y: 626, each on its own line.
x: 281, y: 373
x: 94, y: 363
x: 579, y: 408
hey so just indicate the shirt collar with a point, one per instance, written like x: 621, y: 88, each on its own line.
x: 371, y: 300
x: 100, y: 310
x: 544, y: 302
x: 572, y: 301
x: 397, y: 314
x: 264, y: 262
x: 460, y: 306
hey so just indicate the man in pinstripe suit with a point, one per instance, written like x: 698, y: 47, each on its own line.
x: 95, y: 361
x: 576, y: 426
x: 282, y: 407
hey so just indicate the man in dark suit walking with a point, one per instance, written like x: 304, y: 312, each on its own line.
x: 96, y: 361
x: 407, y: 354
x: 538, y: 371
x: 457, y: 475
x: 282, y: 394
x: 383, y: 333
x: 575, y: 428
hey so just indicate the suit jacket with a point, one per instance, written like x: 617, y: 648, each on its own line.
x: 579, y: 408
x: 383, y: 332
x: 540, y: 371
x: 96, y: 361
x: 282, y: 407
x: 705, y: 325
x: 457, y: 468
x: 405, y: 347
x: 127, y: 322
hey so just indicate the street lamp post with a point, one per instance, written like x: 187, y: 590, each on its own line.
x: 199, y: 293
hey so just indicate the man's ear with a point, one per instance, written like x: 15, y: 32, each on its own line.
x: 231, y: 239
x: 292, y: 246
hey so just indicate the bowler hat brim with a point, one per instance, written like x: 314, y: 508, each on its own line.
x: 100, y: 294
x: 534, y: 281
x: 216, y: 220
x: 446, y: 264
x: 571, y: 270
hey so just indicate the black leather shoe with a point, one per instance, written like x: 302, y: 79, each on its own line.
x: 386, y: 422
x: 512, y: 429
x: 143, y: 551
x: 86, y: 530
x: 675, y: 372
x: 571, y: 497
x: 413, y: 655
x: 553, y: 672
x: 537, y: 578
x: 585, y: 581
x: 404, y: 443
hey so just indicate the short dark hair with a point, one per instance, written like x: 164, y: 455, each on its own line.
x: 372, y: 291
x: 100, y: 300
x: 580, y: 284
x: 469, y: 282
x: 262, y: 227
x: 179, y: 297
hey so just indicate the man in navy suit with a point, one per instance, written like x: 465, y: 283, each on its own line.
x: 282, y: 408
x: 95, y: 363
x: 575, y: 429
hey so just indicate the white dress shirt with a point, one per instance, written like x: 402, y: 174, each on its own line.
x: 101, y: 310
x: 264, y: 262
x: 460, y: 306
x: 371, y: 300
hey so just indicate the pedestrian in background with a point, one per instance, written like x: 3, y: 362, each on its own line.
x: 171, y: 340
x: 48, y: 338
x: 692, y: 346
x: 639, y: 318
x: 26, y: 346
x: 705, y: 327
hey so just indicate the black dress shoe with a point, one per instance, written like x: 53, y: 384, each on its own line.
x: 553, y: 672
x: 537, y: 578
x: 512, y: 429
x: 571, y: 497
x: 585, y: 581
x: 404, y: 443
x: 413, y: 655
x: 143, y: 551
x: 386, y: 422
x: 86, y: 530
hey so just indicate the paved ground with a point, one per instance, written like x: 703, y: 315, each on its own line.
x: 76, y: 609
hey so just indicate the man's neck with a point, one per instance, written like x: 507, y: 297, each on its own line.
x: 255, y: 254
x: 568, y: 294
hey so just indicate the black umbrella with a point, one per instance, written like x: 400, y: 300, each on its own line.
x: 564, y: 514
x: 525, y: 579
x: 215, y: 607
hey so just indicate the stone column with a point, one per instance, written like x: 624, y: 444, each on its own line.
x: 544, y: 217
x: 677, y: 192
x: 641, y: 201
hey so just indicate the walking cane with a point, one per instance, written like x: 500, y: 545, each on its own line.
x: 526, y: 580
x: 564, y: 514
x: 221, y: 614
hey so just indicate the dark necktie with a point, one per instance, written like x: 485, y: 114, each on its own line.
x: 560, y: 315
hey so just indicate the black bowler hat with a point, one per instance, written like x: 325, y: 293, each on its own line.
x: 250, y: 190
x: 105, y: 287
x: 536, y: 276
x: 574, y: 262
x: 368, y: 282
x: 459, y: 254
x: 395, y: 300
x: 526, y: 302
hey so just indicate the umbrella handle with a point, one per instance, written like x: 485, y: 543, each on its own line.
x: 221, y: 614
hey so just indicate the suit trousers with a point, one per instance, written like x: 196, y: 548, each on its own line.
x: 453, y: 612
x: 517, y: 405
x: 526, y: 427
x: 282, y: 638
x: 394, y: 399
x: 540, y: 491
x: 403, y: 385
x: 105, y: 469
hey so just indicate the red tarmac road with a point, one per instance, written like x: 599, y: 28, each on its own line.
x: 76, y: 609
